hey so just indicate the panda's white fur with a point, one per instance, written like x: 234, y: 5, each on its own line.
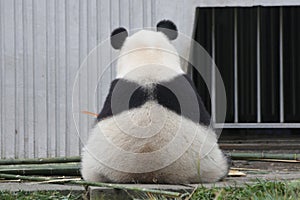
x: 148, y: 55
x: 202, y: 161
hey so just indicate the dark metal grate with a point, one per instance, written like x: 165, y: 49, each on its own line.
x: 257, y: 51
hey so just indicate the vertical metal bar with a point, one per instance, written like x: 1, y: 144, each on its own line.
x: 213, y: 80
x: 258, y: 67
x: 281, y: 67
x: 235, y: 69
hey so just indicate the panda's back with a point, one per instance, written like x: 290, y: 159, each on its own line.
x: 177, y: 95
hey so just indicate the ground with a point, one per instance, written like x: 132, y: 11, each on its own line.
x: 258, y: 175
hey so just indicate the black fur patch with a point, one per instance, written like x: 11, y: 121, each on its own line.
x: 168, y: 94
x: 118, y: 37
x: 185, y: 90
x: 166, y: 98
x: 119, y: 91
x: 168, y: 28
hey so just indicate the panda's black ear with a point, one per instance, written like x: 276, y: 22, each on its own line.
x: 118, y: 37
x: 168, y: 28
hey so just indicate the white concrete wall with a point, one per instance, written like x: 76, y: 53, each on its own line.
x: 43, y: 43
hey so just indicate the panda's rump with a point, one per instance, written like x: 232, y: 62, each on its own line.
x: 140, y: 130
x: 192, y: 147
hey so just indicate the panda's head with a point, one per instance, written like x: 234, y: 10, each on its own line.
x: 147, y: 55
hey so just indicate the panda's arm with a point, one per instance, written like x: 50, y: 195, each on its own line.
x: 185, y: 89
x: 204, y: 115
x: 106, y: 109
x: 124, y: 95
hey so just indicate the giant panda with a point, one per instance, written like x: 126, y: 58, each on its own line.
x: 153, y: 127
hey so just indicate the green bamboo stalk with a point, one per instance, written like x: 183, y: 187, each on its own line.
x: 66, y: 169
x: 39, y: 160
x: 249, y: 156
x: 97, y: 184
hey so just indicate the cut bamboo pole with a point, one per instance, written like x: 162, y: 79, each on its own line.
x: 97, y: 184
x: 39, y: 160
x: 236, y: 156
x: 66, y: 169
x: 276, y: 160
x: 249, y: 156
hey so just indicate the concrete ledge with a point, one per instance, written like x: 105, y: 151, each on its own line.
x: 32, y: 186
